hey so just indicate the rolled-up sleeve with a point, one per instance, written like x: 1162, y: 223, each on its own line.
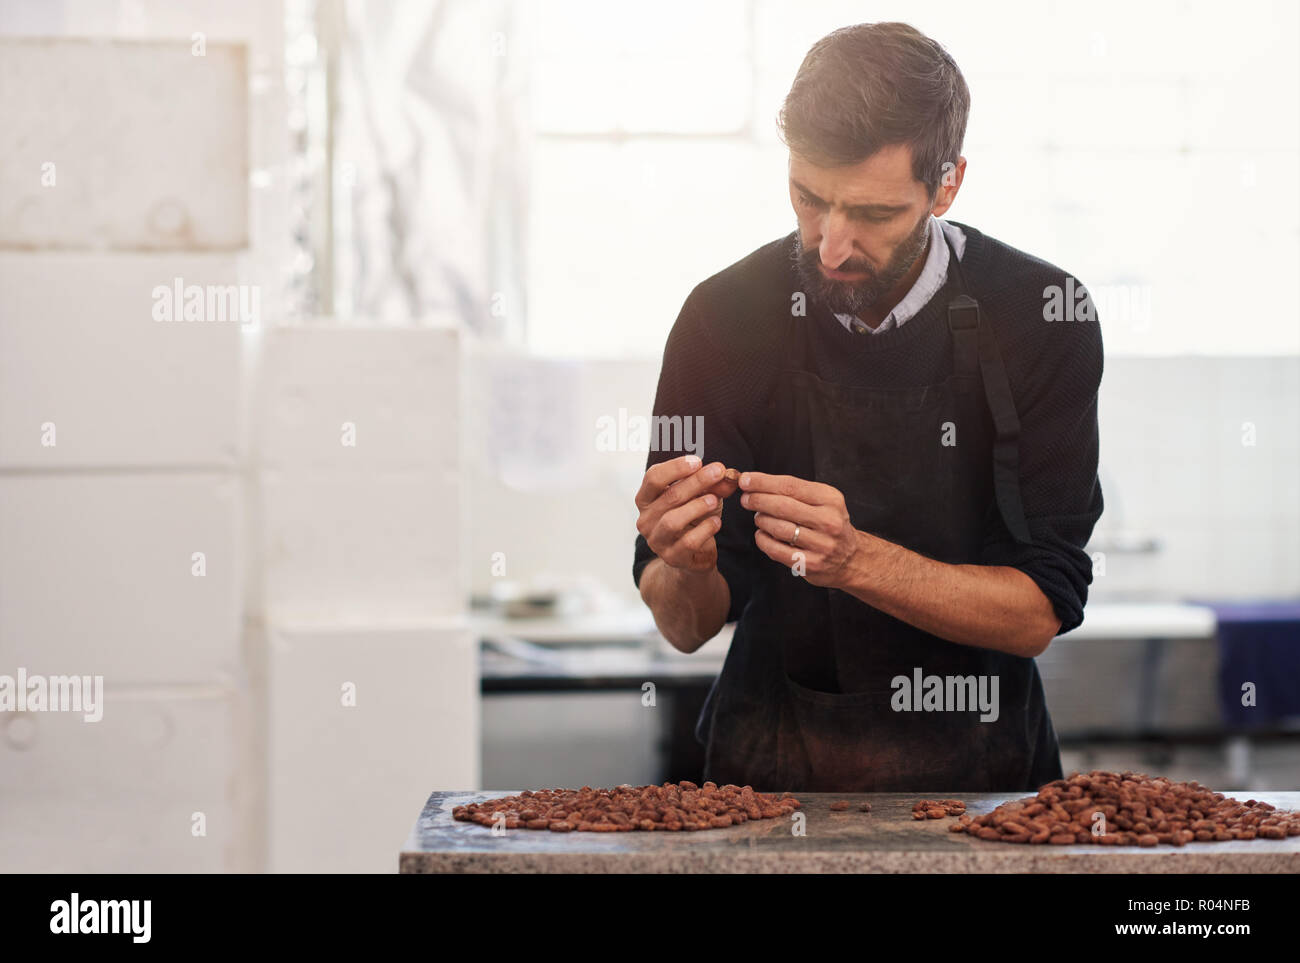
x: 1056, y: 401
x: 698, y: 380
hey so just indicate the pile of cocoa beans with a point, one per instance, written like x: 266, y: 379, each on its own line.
x: 1136, y: 810
x: 938, y: 808
x: 672, y: 807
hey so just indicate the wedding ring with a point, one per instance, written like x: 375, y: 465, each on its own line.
x: 796, y: 535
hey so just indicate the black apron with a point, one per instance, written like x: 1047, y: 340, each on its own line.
x: 805, y: 698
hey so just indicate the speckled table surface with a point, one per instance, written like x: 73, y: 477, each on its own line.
x: 885, y: 840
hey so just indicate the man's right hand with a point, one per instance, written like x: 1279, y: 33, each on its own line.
x: 680, y: 504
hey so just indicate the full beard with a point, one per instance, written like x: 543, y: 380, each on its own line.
x: 852, y: 297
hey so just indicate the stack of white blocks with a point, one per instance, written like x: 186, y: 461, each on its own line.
x: 307, y: 691
x: 119, y: 457
x: 373, y: 673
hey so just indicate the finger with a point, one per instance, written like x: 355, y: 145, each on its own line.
x: 809, y: 492
x: 684, y: 489
x: 727, y: 487
x: 776, y: 551
x: 673, y: 524
x: 720, y: 494
x: 783, y: 531
x: 659, y: 477
x: 701, y: 534
x: 783, y: 506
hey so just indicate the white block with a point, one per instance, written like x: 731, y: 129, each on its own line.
x: 356, y: 400
x: 79, y: 349
x: 96, y: 571
x: 118, y: 795
x: 147, y: 145
x: 360, y: 454
x: 379, y: 546
x: 346, y: 783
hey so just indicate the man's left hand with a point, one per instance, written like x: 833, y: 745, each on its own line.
x: 826, y: 538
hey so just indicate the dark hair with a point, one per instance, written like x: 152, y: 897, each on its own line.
x: 873, y: 85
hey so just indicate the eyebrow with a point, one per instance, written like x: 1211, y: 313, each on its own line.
x: 874, y: 209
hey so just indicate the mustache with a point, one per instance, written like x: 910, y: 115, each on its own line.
x: 812, y: 261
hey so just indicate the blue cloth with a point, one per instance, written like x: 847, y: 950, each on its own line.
x: 1259, y: 642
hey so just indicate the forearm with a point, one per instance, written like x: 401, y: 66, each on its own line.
x: 689, y: 607
x: 986, y: 606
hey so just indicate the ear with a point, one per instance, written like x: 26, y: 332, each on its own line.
x: 949, y: 184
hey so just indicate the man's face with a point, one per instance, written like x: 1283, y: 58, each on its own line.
x: 861, y: 228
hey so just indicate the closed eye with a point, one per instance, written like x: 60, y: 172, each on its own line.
x: 870, y: 215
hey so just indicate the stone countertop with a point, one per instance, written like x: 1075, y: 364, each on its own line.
x: 885, y: 840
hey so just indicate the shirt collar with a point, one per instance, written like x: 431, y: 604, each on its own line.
x: 927, y: 284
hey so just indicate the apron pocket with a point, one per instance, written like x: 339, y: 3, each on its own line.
x: 857, y: 742
x: 825, y: 741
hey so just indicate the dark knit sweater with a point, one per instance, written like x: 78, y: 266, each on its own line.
x: 724, y: 352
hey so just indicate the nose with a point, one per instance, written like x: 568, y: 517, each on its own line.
x: 837, y: 242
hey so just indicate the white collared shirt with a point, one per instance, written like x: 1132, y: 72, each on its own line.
x: 927, y: 284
